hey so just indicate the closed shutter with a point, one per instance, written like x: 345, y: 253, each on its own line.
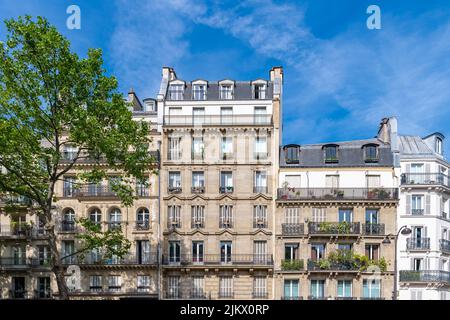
x: 408, y: 204
x: 412, y: 264
x: 427, y: 172
x: 408, y: 168
x: 441, y: 205
x: 427, y: 204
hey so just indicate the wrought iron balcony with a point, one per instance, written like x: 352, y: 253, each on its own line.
x: 198, y: 189
x: 218, y: 120
x: 18, y: 294
x: 142, y: 225
x: 149, y: 259
x: 14, y: 262
x: 345, y: 298
x: 334, y: 194
x: 113, y: 226
x: 292, y: 229
x: 88, y: 191
x: 197, y: 294
x: 228, y: 189
x: 68, y: 226
x: 291, y: 298
x: 425, y: 179
x: 22, y: 231
x: 332, y: 266
x: 218, y: 259
x: 292, y: 265
x: 317, y: 297
x: 15, y: 200
x: 260, y: 223
x: 425, y: 276
x: 43, y: 294
x: 173, y: 294
x: 174, y: 189
x: 197, y: 223
x: 417, y: 212
x: 260, y: 295
x: 373, y: 229
x: 418, y: 243
x: 226, y: 294
x: 334, y: 228
x: 444, y: 245
x: 260, y: 189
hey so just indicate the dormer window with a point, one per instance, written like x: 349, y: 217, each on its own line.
x: 199, y: 92
x: 226, y: 91
x: 176, y: 91
x: 371, y: 153
x: 292, y: 154
x: 438, y: 145
x: 331, y: 154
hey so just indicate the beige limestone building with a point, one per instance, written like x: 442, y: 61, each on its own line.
x: 219, y: 160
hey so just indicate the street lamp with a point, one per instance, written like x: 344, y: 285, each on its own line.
x: 404, y: 230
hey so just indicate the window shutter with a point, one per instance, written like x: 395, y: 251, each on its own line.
x: 427, y: 204
x: 427, y: 172
x: 413, y: 294
x: 412, y: 263
x: 408, y: 168
x: 441, y: 203
x: 408, y: 204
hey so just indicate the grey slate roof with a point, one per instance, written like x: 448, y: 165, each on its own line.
x: 242, y: 91
x: 414, y: 145
x: 350, y: 154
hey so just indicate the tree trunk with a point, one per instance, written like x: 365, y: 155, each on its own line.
x: 57, y: 267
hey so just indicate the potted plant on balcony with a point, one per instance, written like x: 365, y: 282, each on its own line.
x: 284, y: 194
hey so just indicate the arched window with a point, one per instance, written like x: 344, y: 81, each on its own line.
x: 115, y: 218
x: 68, y: 223
x: 95, y: 215
x: 142, y: 219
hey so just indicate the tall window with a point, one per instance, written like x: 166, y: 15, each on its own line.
x: 226, y: 216
x: 95, y: 215
x: 260, y: 252
x: 69, y: 186
x: 344, y: 288
x: 226, y: 287
x: 114, y: 283
x: 332, y: 181
x: 174, y: 216
x: 198, y: 284
x: 260, y: 287
x: 199, y: 92
x: 260, y: 185
x: 198, y: 216
x: 317, y: 289
x: 142, y: 187
x: 439, y: 145
x: 198, y: 148
x: 174, y: 182
x: 292, y: 181
x: 68, y: 248
x: 68, y: 223
x: 319, y: 214
x: 173, y: 287
x: 113, y: 181
x: 226, y: 92
x: 331, y: 154
x: 291, y: 289
x: 260, y: 114
x: 226, y: 182
x: 371, y: 289
x: 225, y: 251
x: 317, y: 251
x: 292, y: 216
x: 43, y: 255
x: 143, y: 284
x: 115, y: 219
x: 417, y: 204
x: 373, y: 181
x: 260, y: 147
x: 345, y: 215
x: 372, y: 251
x: 143, y: 219
x: 259, y: 91
x: 372, y: 224
x: 174, y: 252
x: 198, y: 182
x: 174, y: 150
x: 227, y: 148
x: 95, y: 283
x: 198, y: 116
x: 291, y: 251
x: 260, y: 216
x: 176, y: 91
x: 226, y: 115
x: 197, y: 251
x: 70, y: 152
x: 143, y: 255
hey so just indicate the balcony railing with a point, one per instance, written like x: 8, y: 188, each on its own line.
x: 326, y: 194
x: 174, y: 189
x: 197, y: 223
x: 226, y: 223
x: 23, y: 262
x: 89, y: 191
x: 217, y: 120
x: 260, y: 295
x: 333, y: 266
x: 226, y: 189
x: 198, y: 189
x: 228, y: 294
x: 18, y: 294
x: 291, y: 298
x: 43, y: 294
x: 345, y: 298
x: 260, y: 189
x: 142, y: 225
x: 444, y: 245
x: 417, y: 212
x: 260, y: 155
x: 217, y: 259
x: 317, y: 298
x: 15, y: 200
x: 128, y: 260
x: 425, y: 276
x: 425, y: 179
x: 292, y: 229
x: 373, y: 229
x: 418, y: 243
x: 68, y: 226
x: 292, y: 265
x: 347, y: 228
x: 113, y: 226
x: 22, y: 231
x: 197, y: 294
x: 260, y: 223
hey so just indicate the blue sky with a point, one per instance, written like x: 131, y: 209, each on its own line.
x: 340, y: 77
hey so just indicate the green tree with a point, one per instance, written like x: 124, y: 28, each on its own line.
x: 50, y: 99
